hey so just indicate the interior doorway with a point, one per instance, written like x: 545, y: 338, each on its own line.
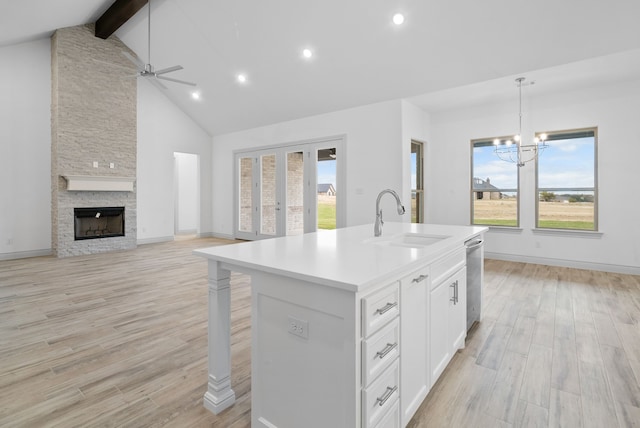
x: 186, y: 194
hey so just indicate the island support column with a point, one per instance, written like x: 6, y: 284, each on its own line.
x: 219, y: 395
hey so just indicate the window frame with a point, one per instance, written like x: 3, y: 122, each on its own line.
x: 419, y: 190
x: 489, y: 142
x: 553, y: 135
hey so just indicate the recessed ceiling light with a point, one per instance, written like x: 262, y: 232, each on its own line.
x: 307, y: 53
x: 242, y: 78
x: 195, y: 95
x: 398, y: 19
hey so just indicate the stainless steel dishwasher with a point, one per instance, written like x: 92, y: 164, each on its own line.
x: 475, y: 273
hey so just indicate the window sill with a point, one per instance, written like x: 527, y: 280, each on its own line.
x: 569, y: 233
x: 503, y: 229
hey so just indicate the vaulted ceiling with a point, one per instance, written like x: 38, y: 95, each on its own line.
x: 447, y: 53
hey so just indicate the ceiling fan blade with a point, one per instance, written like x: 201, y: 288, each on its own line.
x: 134, y: 60
x: 157, y: 83
x: 169, y: 69
x: 175, y: 80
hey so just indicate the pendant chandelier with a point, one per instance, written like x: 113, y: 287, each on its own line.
x: 515, y: 150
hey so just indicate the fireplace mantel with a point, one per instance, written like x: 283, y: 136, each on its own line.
x: 90, y: 183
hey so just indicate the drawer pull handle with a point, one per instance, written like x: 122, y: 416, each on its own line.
x: 386, y: 308
x: 390, y: 347
x: 454, y: 285
x: 386, y: 396
x: 419, y: 279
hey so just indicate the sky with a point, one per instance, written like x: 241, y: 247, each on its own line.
x: 565, y: 163
x: 327, y: 172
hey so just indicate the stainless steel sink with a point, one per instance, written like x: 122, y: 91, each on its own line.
x: 410, y: 240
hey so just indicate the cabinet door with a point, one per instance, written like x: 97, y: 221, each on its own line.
x: 457, y: 310
x: 440, y: 346
x: 415, y: 377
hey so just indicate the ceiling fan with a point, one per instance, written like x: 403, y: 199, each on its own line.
x: 147, y: 70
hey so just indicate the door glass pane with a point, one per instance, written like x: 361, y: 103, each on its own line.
x: 268, y: 195
x: 246, y: 195
x: 295, y: 193
x: 326, y: 193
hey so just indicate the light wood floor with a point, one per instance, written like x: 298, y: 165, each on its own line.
x: 119, y: 339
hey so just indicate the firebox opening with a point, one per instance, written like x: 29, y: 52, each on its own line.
x: 103, y: 222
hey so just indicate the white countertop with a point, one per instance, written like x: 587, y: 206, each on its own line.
x: 348, y: 258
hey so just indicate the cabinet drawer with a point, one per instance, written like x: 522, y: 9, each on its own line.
x: 380, y: 308
x: 447, y: 265
x: 391, y: 419
x: 381, y: 396
x: 379, y: 351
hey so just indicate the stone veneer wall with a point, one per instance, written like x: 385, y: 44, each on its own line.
x: 93, y: 119
x: 295, y: 193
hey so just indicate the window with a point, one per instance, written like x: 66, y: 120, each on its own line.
x: 494, y: 187
x: 417, y: 182
x: 566, y: 181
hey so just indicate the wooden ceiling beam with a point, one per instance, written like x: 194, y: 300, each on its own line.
x: 119, y: 13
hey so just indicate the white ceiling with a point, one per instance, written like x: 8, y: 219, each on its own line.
x: 447, y: 54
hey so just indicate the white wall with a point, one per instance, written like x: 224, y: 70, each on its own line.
x: 414, y: 127
x: 162, y: 130
x: 373, y: 154
x: 25, y: 149
x: 25, y: 155
x: 613, y: 109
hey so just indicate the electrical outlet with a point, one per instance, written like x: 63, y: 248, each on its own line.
x: 112, y: 165
x: 95, y: 164
x: 298, y: 327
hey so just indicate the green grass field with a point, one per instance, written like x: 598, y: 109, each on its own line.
x: 553, y: 215
x: 326, y: 216
x: 548, y: 224
x: 495, y: 222
x: 559, y: 224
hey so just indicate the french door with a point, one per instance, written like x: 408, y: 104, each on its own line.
x: 289, y: 190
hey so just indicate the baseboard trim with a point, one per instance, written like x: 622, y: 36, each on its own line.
x: 603, y: 267
x: 187, y: 232
x: 26, y: 254
x: 205, y: 235
x: 222, y: 236
x: 155, y: 240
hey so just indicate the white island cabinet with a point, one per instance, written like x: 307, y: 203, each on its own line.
x: 348, y: 329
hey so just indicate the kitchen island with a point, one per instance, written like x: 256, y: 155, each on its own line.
x: 348, y: 329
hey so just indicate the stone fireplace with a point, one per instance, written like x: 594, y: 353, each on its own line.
x: 93, y: 142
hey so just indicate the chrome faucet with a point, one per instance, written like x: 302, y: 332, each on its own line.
x: 377, y: 230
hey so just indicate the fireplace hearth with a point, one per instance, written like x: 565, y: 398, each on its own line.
x: 96, y: 223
